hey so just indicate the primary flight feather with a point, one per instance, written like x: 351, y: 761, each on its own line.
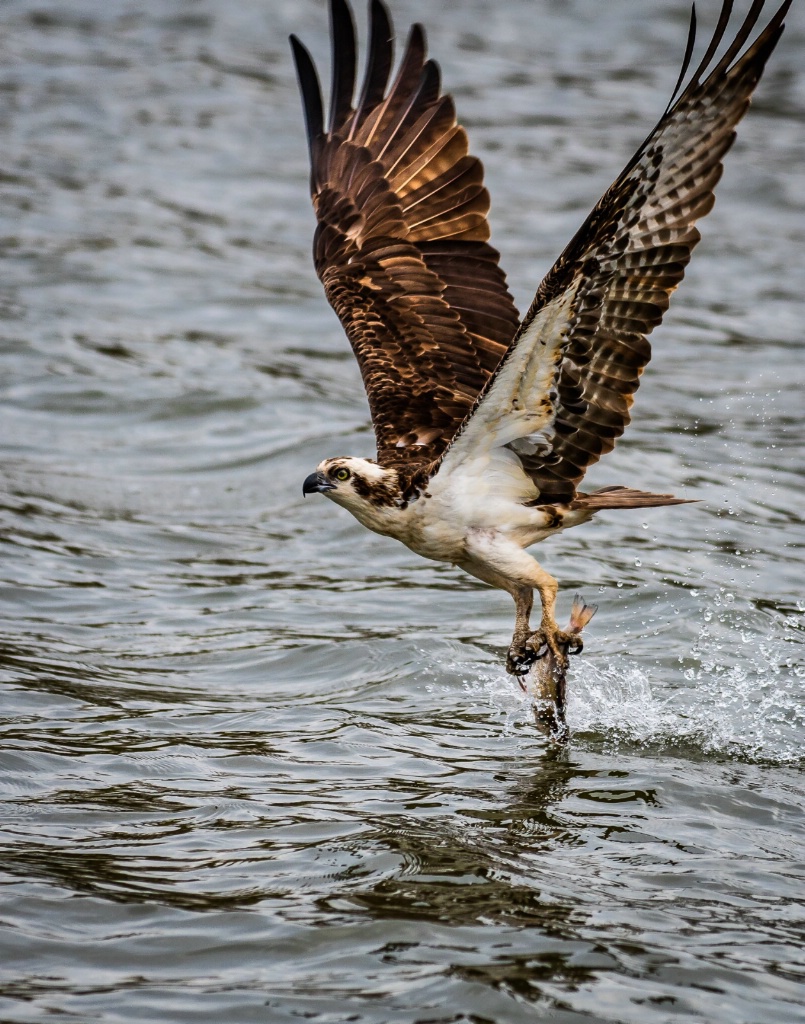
x: 485, y: 423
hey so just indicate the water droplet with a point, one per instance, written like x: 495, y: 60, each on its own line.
x: 637, y: 562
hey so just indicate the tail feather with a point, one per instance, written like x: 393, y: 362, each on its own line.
x: 624, y: 497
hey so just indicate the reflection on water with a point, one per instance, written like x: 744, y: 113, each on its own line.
x: 261, y: 765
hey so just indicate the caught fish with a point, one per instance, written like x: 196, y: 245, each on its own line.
x: 546, y: 682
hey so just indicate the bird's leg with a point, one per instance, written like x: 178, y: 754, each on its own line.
x: 501, y: 563
x: 520, y: 658
x: 549, y: 634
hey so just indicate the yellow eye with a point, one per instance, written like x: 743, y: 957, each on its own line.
x: 342, y: 474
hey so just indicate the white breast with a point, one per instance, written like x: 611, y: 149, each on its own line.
x: 485, y: 493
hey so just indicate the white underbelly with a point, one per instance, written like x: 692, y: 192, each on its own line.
x: 441, y: 531
x: 439, y: 540
x: 491, y: 495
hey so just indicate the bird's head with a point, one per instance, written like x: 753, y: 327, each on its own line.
x: 365, y: 489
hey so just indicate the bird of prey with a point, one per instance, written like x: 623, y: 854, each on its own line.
x: 486, y: 423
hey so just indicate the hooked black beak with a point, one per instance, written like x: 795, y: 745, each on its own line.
x: 316, y: 482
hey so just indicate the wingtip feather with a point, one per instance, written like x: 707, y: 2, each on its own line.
x: 310, y: 89
x: 379, y: 59
x: 342, y: 31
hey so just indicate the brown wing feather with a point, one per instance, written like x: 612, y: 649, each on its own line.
x: 631, y: 254
x: 401, y: 244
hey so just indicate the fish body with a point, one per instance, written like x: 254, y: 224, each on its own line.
x: 546, y: 683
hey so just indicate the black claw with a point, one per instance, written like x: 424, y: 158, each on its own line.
x: 519, y: 664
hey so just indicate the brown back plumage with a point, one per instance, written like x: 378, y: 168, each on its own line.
x: 401, y: 244
x: 401, y: 248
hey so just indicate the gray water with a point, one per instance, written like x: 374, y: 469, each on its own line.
x: 260, y: 765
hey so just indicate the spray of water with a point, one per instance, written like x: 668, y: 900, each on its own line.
x: 737, y: 691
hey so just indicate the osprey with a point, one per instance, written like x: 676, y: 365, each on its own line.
x: 485, y: 422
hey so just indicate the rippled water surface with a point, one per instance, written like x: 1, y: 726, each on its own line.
x: 260, y: 765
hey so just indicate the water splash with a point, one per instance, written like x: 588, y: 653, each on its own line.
x: 736, y: 690
x: 736, y: 693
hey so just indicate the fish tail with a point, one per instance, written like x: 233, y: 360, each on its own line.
x: 580, y: 614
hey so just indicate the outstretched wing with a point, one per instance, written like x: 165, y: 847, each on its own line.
x: 562, y: 394
x: 401, y: 243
